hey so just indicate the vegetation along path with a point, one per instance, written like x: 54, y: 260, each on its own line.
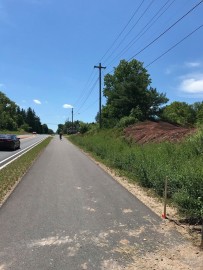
x: 68, y: 213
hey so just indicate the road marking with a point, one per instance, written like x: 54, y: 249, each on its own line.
x: 23, y: 152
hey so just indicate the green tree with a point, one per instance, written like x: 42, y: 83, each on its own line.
x: 68, y: 124
x: 50, y: 131
x: 129, y: 88
x: 19, y: 118
x: 84, y: 127
x: 33, y: 121
x: 38, y: 125
x: 60, y: 128
x: 23, y: 114
x: 45, y: 129
x: 13, y: 118
x: 25, y: 127
x: 179, y: 113
x: 8, y: 113
x: 198, y: 108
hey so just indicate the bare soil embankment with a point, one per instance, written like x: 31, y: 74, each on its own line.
x: 150, y: 131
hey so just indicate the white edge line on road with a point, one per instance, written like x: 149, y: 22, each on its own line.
x: 19, y: 152
x: 30, y: 147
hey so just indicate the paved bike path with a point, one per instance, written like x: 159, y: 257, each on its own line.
x: 67, y: 213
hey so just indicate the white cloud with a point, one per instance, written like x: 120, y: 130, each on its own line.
x: 37, y: 101
x: 67, y: 106
x: 192, y: 64
x: 192, y: 84
x: 177, y: 67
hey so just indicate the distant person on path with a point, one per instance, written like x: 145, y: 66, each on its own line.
x: 60, y: 135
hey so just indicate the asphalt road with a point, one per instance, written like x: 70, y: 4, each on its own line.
x: 25, y: 143
x: 67, y: 213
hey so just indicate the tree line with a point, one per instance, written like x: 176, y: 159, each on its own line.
x: 131, y: 98
x: 13, y: 118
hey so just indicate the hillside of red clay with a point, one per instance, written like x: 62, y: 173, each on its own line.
x: 149, y: 131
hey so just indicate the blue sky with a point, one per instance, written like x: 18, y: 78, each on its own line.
x: 49, y: 49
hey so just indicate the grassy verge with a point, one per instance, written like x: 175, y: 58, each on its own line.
x: 150, y: 164
x: 15, y: 170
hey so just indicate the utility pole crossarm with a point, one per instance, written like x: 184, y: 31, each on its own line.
x: 99, y: 67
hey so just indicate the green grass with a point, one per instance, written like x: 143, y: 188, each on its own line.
x: 16, y: 169
x: 150, y: 164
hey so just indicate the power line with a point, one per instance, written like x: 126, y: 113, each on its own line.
x: 141, y: 33
x: 166, y: 30
x: 171, y: 48
x: 89, y: 93
x: 87, y: 108
x: 132, y: 27
x: 84, y: 88
x: 93, y: 86
x: 122, y: 30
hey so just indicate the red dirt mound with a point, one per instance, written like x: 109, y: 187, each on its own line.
x: 150, y: 131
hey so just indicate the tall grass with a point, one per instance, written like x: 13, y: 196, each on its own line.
x: 150, y: 164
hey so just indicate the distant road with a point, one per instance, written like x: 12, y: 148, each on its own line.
x: 26, y: 142
x: 69, y: 214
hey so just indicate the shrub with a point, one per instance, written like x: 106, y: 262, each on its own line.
x: 83, y: 128
x: 127, y: 121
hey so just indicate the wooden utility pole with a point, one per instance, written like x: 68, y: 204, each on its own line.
x: 99, y: 67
